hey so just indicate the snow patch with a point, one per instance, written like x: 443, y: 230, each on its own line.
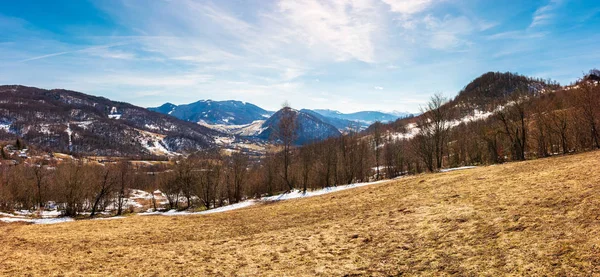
x: 456, y: 168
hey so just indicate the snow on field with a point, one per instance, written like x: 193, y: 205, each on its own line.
x: 47, y: 217
x: 109, y: 218
x: 299, y: 194
x: 42, y: 214
x: 42, y: 221
x: 457, y: 168
x: 281, y: 197
x: 231, y: 207
x: 139, y: 194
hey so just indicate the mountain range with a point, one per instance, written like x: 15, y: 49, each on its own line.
x: 66, y: 121
x: 234, y: 116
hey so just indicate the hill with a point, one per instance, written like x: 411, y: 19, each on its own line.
x: 495, y: 88
x: 68, y: 121
x: 529, y: 218
x: 309, y: 128
x: 215, y: 112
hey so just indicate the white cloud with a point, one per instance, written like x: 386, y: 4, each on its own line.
x: 449, y: 32
x: 408, y: 7
x: 345, y: 29
x: 545, y: 14
x: 378, y: 88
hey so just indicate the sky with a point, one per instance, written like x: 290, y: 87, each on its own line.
x: 346, y: 55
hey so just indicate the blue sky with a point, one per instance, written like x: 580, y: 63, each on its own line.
x: 348, y: 55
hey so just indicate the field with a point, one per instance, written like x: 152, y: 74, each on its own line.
x: 531, y: 218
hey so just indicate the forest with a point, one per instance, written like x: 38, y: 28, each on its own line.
x: 526, y: 119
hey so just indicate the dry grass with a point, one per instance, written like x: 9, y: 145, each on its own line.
x: 531, y: 218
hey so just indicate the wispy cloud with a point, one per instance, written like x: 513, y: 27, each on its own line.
x: 408, y: 7
x: 92, y: 49
x: 545, y: 14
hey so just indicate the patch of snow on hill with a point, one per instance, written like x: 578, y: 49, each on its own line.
x: 84, y: 124
x: 246, y: 130
x: 412, y: 130
x: 154, y: 143
x: 5, y: 127
x: 70, y: 134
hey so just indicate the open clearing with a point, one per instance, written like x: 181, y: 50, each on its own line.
x: 535, y: 218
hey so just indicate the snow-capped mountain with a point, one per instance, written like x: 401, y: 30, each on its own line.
x: 215, y: 112
x: 366, y: 117
x: 241, y: 118
x: 69, y: 121
x: 309, y: 128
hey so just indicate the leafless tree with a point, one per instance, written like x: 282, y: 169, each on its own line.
x: 514, y: 121
x: 124, y: 183
x: 104, y: 181
x: 433, y: 131
x: 286, y: 134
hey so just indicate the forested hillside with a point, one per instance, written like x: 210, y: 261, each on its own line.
x: 528, y: 119
x: 73, y: 122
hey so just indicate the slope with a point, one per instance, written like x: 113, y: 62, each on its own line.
x: 69, y: 121
x: 529, y: 218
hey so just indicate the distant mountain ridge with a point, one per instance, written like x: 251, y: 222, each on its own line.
x: 309, y: 128
x: 228, y: 112
x: 240, y: 115
x: 368, y: 117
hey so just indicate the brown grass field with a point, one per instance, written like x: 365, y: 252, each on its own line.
x: 534, y: 218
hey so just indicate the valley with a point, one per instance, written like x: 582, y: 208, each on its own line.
x: 299, y: 138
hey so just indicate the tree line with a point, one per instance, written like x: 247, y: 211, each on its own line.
x: 524, y: 126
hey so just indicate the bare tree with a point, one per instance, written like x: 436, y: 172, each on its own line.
x: 286, y: 134
x: 238, y: 167
x: 377, y: 144
x: 124, y: 183
x: 72, y: 178
x: 433, y: 132
x: 186, y: 179
x: 104, y: 181
x: 40, y: 175
x: 588, y: 100
x: 514, y: 122
x: 307, y: 159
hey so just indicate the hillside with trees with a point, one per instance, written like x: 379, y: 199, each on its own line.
x: 524, y: 124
